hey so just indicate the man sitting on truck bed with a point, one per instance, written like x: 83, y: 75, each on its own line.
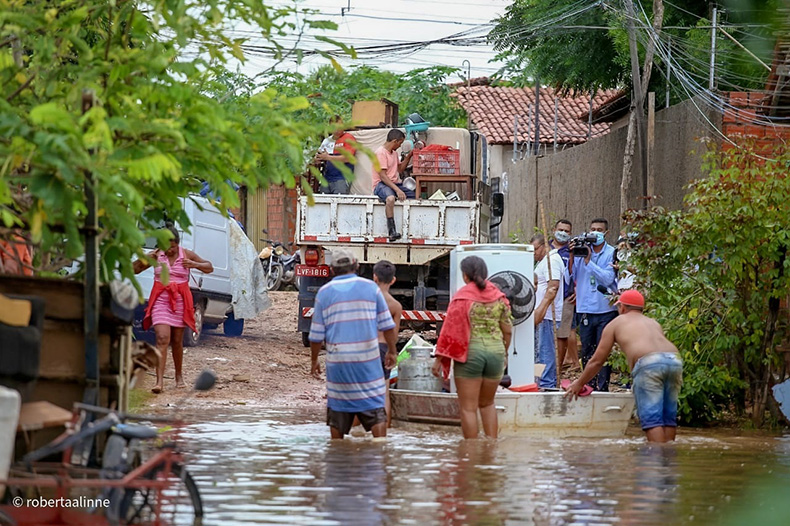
x: 387, y: 184
x: 340, y: 149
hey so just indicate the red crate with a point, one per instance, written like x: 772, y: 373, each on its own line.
x: 436, y: 159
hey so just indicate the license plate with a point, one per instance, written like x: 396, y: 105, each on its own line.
x: 320, y: 271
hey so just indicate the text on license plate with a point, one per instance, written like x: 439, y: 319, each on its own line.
x: 321, y: 271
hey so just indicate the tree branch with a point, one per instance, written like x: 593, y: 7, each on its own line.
x: 20, y: 89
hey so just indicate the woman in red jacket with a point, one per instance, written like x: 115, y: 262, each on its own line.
x: 170, y: 309
x: 475, y: 336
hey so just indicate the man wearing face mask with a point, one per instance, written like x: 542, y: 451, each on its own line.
x: 566, y: 334
x: 593, y: 310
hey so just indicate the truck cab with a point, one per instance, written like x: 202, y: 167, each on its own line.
x: 430, y: 228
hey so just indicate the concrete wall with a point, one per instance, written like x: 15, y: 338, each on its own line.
x: 583, y: 182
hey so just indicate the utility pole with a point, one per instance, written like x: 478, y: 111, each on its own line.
x: 91, y: 289
x: 711, y: 84
x: 635, y: 127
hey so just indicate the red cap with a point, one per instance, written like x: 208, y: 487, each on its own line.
x: 632, y: 298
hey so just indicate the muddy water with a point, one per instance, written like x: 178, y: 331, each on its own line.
x: 277, y: 467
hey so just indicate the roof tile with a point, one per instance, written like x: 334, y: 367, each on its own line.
x: 493, y: 110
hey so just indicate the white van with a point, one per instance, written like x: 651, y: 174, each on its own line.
x: 212, y: 294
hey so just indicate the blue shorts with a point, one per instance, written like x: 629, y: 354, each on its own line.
x: 383, y: 191
x: 657, y: 380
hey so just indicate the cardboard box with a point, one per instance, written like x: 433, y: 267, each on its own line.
x: 375, y: 113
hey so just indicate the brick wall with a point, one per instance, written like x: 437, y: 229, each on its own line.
x: 281, y: 213
x: 744, y: 122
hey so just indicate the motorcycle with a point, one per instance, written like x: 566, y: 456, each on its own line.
x: 289, y: 262
x: 279, y: 267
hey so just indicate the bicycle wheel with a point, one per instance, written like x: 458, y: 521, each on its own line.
x: 181, y: 500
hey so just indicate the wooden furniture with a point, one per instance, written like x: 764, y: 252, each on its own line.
x: 41, y: 414
x: 422, y: 181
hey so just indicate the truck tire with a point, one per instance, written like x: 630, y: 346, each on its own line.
x: 306, y: 339
x: 191, y: 338
x: 232, y: 327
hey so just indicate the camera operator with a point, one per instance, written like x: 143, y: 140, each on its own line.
x: 593, y: 310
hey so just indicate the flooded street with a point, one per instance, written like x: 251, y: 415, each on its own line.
x: 278, y: 467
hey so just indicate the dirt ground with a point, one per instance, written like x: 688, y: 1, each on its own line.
x: 266, y: 366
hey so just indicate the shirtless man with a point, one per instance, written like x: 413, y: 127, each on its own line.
x: 384, y: 276
x: 655, y: 366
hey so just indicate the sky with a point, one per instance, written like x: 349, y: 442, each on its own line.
x: 379, y: 22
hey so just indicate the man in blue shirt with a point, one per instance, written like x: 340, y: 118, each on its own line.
x: 593, y: 310
x: 349, y: 313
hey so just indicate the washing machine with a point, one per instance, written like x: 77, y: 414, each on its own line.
x: 510, y: 267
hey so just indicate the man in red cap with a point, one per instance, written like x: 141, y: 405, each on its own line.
x: 654, y: 361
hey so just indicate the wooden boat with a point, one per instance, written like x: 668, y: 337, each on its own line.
x: 541, y: 413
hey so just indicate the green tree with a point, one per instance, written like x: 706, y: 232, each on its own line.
x: 584, y: 45
x: 166, y: 117
x: 332, y: 91
x: 715, y: 274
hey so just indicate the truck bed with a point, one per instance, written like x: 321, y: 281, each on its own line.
x: 429, y: 227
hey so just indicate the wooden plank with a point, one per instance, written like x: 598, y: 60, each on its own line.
x: 38, y: 415
x: 63, y: 298
x: 63, y: 355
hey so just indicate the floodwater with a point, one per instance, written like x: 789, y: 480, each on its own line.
x: 278, y: 467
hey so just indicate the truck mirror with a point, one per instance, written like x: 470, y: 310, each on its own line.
x: 497, y: 204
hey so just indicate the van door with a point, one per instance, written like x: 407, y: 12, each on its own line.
x: 209, y: 239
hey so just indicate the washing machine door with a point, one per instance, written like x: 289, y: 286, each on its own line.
x: 511, y: 268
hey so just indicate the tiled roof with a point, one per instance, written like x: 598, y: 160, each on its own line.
x: 492, y: 109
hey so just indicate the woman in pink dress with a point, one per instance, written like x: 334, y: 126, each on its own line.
x: 170, y: 308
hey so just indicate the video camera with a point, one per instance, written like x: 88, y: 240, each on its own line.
x: 582, y: 244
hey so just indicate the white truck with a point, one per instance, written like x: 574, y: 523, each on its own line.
x: 431, y: 228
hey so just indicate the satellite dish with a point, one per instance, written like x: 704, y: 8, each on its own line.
x: 519, y: 291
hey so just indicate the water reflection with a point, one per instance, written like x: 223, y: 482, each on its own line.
x: 356, y: 472
x: 279, y: 468
x: 470, y: 486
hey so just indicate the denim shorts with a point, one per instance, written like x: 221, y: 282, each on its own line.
x: 383, y: 191
x: 657, y: 380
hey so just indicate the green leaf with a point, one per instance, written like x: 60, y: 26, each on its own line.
x: 154, y: 167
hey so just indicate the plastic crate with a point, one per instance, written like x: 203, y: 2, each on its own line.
x: 436, y: 160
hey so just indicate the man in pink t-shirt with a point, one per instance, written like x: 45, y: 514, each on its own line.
x: 386, y: 181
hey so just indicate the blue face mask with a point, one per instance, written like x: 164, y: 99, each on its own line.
x: 599, y: 238
x: 562, y: 237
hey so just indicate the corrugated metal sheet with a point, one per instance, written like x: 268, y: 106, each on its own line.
x: 257, y: 216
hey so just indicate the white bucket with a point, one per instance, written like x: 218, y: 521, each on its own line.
x: 9, y: 417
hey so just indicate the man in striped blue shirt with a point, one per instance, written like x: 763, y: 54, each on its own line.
x: 349, y: 313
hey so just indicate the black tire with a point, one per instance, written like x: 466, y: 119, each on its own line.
x: 192, y: 338
x: 306, y: 339
x: 274, y: 277
x: 139, y: 505
x: 232, y: 327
